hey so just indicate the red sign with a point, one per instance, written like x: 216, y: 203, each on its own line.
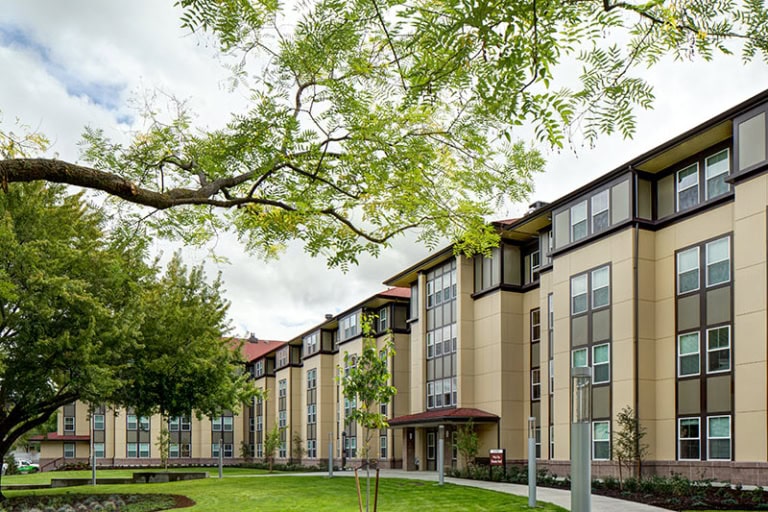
x: 498, y: 457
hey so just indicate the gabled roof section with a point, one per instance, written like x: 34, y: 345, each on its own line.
x: 409, y: 275
x: 254, y: 348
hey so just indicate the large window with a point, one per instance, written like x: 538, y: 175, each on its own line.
x: 311, y: 414
x: 579, y: 358
x: 382, y: 446
x: 220, y: 423
x: 69, y: 450
x: 312, y: 448
x: 441, y: 336
x: 579, y: 294
x: 688, y: 354
x: 312, y: 378
x: 600, y: 212
x: 688, y: 270
x: 579, y: 221
x: 282, y: 356
x: 599, y: 282
x: 382, y: 321
x: 311, y: 343
x: 349, y: 327
x: 718, y: 261
x: 601, y: 440
x: 601, y: 364
x: 98, y: 422
x: 688, y: 187
x: 535, y: 384
x: 719, y: 438
x: 689, y: 439
x: 69, y: 423
x: 719, y: 349
x: 98, y: 450
x: 717, y: 167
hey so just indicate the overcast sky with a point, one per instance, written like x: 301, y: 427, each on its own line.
x: 69, y: 64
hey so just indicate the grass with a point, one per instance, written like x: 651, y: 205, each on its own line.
x: 316, y: 493
x: 45, y: 477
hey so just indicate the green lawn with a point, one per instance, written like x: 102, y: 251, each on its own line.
x: 318, y: 494
x: 44, y: 478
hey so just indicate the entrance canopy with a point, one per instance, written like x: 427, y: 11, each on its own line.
x: 443, y: 417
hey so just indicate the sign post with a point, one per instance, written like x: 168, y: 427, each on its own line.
x: 498, y: 458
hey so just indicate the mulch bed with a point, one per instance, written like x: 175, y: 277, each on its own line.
x: 96, y: 502
x: 705, y: 497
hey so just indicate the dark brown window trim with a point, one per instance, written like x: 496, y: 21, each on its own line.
x: 736, y: 178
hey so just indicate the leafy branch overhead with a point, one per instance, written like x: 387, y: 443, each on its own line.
x: 373, y: 117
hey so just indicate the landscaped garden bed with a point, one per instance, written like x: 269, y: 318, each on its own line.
x: 673, y: 493
x: 95, y: 503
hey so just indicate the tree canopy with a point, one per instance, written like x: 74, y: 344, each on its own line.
x: 83, y: 317
x: 372, y: 117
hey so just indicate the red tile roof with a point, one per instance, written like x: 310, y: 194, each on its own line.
x: 460, y: 415
x: 506, y: 221
x: 254, y: 349
x: 55, y: 436
x: 398, y: 292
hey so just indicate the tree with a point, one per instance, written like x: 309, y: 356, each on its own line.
x: 372, y: 118
x: 628, y: 446
x: 76, y: 310
x: 180, y: 363
x: 467, y: 443
x: 297, y: 448
x: 367, y: 383
x: 272, y: 442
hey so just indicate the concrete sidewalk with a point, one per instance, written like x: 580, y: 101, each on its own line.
x: 557, y: 496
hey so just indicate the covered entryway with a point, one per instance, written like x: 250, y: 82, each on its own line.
x: 421, y: 435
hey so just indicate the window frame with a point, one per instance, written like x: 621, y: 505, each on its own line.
x: 586, y: 357
x: 606, y: 441
x: 585, y: 293
x: 594, y: 212
x: 707, y: 263
x: 131, y: 422
x: 680, y: 355
x: 574, y: 223
x: 99, y: 424
x: 680, y: 439
x: 592, y: 289
x: 678, y: 190
x: 678, y: 273
x: 719, y: 349
x: 69, y: 423
x: 729, y: 438
x: 726, y: 172
x: 535, y: 384
x: 69, y: 451
x: 595, y: 364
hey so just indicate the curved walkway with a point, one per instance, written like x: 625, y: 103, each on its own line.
x: 559, y: 497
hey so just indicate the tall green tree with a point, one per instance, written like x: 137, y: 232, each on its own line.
x: 83, y: 317
x: 181, y: 364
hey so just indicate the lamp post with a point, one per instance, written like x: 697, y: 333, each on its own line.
x: 93, y: 448
x: 581, y: 469
x: 221, y: 446
x: 532, y: 462
x: 441, y: 454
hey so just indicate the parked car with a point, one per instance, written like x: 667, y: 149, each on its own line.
x: 27, y: 466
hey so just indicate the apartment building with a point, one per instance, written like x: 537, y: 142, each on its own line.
x: 121, y: 438
x: 305, y: 396
x: 653, y: 275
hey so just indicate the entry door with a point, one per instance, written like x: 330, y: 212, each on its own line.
x: 431, y: 450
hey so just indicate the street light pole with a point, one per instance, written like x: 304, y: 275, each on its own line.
x: 581, y: 464
x: 221, y: 446
x: 532, y: 462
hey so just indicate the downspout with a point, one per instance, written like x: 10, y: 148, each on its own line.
x: 636, y: 316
